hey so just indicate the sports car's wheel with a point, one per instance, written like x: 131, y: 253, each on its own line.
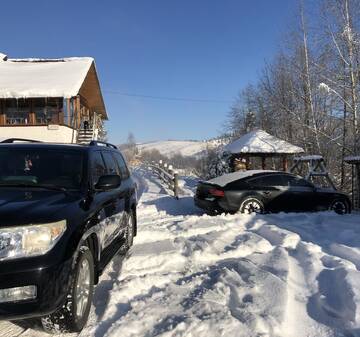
x: 339, y: 206
x: 251, y: 205
x: 73, y: 315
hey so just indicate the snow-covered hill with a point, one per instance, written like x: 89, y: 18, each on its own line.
x: 186, y: 148
x: 189, y: 274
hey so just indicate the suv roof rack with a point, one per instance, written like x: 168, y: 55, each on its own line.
x: 99, y: 143
x: 13, y: 140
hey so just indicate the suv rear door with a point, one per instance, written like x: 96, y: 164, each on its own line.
x: 117, y: 199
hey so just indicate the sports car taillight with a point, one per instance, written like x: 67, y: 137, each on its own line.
x: 216, y: 192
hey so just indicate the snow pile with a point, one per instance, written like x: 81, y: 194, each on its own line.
x: 43, y: 78
x: 189, y: 274
x: 259, y: 141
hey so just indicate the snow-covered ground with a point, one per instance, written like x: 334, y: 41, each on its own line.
x: 190, y: 274
x: 172, y: 147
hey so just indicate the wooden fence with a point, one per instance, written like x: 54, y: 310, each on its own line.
x: 167, y: 174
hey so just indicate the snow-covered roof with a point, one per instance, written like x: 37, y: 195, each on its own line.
x: 230, y: 177
x: 309, y: 157
x: 260, y: 142
x: 352, y: 159
x: 22, y: 78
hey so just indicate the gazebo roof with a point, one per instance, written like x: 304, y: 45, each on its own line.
x: 259, y: 142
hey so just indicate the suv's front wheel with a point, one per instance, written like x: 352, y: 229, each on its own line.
x: 73, y: 316
x: 130, y: 229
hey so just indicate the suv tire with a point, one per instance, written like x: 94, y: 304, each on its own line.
x: 130, y: 230
x: 73, y: 315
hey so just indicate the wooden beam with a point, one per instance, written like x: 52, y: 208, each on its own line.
x: 357, y: 187
x: 77, y: 112
x: 68, y: 119
x: 2, y: 112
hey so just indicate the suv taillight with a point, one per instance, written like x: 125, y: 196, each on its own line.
x: 216, y: 192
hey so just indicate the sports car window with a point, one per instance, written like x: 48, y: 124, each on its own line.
x: 298, y: 182
x: 267, y: 181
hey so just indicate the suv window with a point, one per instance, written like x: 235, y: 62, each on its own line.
x: 98, y: 166
x: 122, y: 165
x: 41, y: 166
x: 110, y: 163
x: 270, y: 180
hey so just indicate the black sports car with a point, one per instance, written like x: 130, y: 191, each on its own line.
x: 267, y: 191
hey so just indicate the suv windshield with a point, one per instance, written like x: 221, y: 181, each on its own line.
x: 41, y: 167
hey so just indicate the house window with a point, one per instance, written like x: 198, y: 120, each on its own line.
x: 48, y: 110
x: 17, y: 111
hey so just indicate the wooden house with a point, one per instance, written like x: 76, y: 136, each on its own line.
x: 53, y: 100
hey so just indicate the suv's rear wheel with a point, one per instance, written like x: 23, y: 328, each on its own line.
x: 73, y: 316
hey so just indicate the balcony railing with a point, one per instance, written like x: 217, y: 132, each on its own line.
x: 14, y: 119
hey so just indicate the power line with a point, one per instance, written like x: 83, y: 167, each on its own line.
x: 165, y: 98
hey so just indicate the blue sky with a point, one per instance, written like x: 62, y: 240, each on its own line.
x: 193, y: 49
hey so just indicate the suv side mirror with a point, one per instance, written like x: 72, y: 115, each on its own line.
x: 108, y: 182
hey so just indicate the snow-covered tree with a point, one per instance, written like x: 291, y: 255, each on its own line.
x: 218, y: 164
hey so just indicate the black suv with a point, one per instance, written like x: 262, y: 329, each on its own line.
x: 65, y: 211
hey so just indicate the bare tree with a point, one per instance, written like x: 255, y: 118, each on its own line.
x: 309, y: 93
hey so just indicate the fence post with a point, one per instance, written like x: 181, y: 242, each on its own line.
x: 176, y: 185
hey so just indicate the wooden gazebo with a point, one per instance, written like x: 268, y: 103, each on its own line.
x: 355, y: 162
x: 260, y: 144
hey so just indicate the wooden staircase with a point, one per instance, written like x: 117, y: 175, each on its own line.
x: 85, y: 136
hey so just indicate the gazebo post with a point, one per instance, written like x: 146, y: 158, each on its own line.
x: 263, y: 162
x: 357, y: 190
x: 285, y: 163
